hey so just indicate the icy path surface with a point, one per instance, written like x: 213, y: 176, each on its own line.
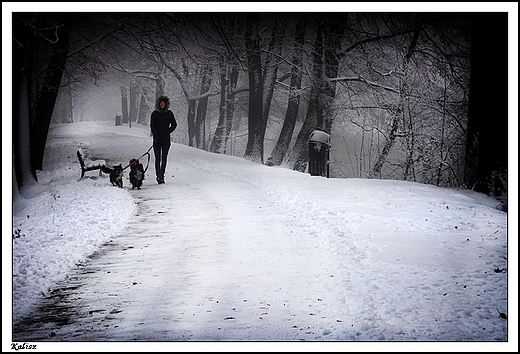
x: 201, y: 274
x: 230, y: 250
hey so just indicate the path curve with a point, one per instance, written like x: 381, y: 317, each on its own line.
x: 203, y: 287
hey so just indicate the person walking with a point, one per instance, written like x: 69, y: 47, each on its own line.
x: 162, y: 124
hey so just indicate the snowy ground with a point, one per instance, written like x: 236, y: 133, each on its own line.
x: 232, y: 251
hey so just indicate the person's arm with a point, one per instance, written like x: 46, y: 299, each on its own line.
x: 152, y: 128
x: 173, y: 123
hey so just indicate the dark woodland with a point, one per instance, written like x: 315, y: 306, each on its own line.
x: 420, y: 97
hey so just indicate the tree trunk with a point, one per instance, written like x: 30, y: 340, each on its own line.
x: 320, y: 112
x: 71, y: 106
x: 143, y: 111
x: 256, y: 124
x: 332, y: 36
x: 159, y: 84
x: 191, y: 122
x: 124, y: 104
x: 299, y: 155
x: 34, y: 98
x: 376, y: 170
x: 48, y: 94
x: 228, y: 83
x: 271, y: 65
x: 202, y: 106
x: 284, y: 140
x: 134, y: 102
x: 22, y: 81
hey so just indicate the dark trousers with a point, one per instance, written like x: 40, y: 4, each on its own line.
x: 160, y: 150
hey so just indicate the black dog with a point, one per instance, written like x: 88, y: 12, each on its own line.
x: 136, y: 173
x: 116, y: 174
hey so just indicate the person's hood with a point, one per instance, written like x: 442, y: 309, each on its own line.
x: 165, y: 99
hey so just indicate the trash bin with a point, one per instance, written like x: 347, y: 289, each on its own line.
x: 319, y: 145
x: 118, y: 119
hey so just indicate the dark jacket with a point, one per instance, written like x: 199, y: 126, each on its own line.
x: 162, y: 122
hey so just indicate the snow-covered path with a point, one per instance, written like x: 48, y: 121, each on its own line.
x: 193, y: 273
x: 230, y: 250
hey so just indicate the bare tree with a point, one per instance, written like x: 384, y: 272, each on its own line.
x: 228, y: 84
x: 395, y: 86
x: 124, y: 105
x: 282, y: 146
x: 272, y: 62
x: 40, y: 47
x: 320, y: 112
x: 256, y: 119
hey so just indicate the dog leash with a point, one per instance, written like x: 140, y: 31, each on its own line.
x: 140, y: 157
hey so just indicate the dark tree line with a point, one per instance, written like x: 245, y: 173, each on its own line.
x: 486, y: 147
x: 40, y: 47
x: 424, y: 95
